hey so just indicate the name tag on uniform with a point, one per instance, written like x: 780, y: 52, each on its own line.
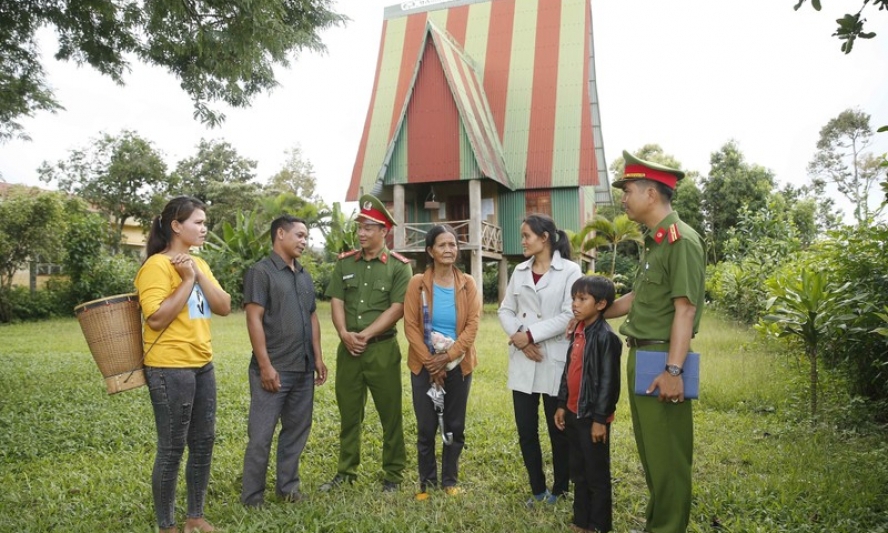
x: 347, y: 276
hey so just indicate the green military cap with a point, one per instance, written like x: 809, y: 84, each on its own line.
x: 639, y: 169
x: 373, y: 210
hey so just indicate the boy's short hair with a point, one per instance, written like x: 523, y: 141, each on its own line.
x: 598, y: 287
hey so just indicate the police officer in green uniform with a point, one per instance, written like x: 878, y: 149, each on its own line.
x: 664, y: 312
x: 367, y: 291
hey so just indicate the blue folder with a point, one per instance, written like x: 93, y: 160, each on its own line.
x: 649, y: 365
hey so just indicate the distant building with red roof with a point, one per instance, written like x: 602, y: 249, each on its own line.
x: 483, y: 111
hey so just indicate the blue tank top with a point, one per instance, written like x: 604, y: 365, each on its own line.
x: 444, y: 311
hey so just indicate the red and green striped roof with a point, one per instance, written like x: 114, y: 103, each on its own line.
x: 486, y: 89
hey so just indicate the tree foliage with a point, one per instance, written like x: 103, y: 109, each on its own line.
x: 809, y: 307
x: 292, y: 190
x: 297, y: 176
x: 119, y: 176
x: 851, y: 24
x: 221, y: 178
x: 94, y: 270
x: 234, y: 248
x: 611, y: 234
x: 842, y: 161
x: 732, y: 183
x: 31, y: 227
x: 218, y: 51
x: 340, y: 231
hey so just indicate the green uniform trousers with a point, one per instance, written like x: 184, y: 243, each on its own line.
x: 378, y: 370
x: 664, y: 435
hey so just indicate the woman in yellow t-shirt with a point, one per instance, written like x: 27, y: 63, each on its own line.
x: 178, y: 295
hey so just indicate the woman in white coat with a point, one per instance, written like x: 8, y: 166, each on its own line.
x: 534, y: 314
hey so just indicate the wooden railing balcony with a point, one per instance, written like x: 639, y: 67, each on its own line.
x: 491, y: 244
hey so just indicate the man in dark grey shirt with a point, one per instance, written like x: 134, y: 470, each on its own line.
x: 287, y: 363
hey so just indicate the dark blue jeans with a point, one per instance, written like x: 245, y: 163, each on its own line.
x: 184, y: 401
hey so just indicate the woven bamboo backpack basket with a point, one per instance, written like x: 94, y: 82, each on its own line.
x: 113, y: 329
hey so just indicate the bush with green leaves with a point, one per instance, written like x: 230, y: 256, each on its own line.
x: 624, y: 271
x: 232, y: 250
x: 321, y: 273
x: 860, y: 255
x: 490, y: 279
x: 40, y: 304
x: 808, y: 307
x: 94, y: 272
x: 853, y: 348
x: 31, y: 227
x: 762, y: 241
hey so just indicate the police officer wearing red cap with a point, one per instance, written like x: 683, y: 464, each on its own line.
x: 664, y: 310
x: 367, y: 289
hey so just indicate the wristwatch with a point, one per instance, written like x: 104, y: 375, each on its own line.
x: 674, y: 370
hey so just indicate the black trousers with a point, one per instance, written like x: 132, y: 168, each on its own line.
x: 456, y: 398
x: 590, y: 471
x: 527, y: 419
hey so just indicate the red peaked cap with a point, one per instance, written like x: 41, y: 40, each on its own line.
x: 374, y: 211
x: 639, y: 169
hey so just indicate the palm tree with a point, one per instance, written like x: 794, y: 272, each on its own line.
x: 578, y: 245
x: 611, y: 234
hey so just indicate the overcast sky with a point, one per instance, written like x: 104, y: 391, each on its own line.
x: 686, y: 74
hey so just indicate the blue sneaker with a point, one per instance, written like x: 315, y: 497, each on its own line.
x: 543, y: 497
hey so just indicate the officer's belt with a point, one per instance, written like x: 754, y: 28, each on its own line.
x: 382, y: 337
x: 632, y: 342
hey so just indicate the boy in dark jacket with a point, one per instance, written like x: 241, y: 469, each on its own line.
x: 590, y: 388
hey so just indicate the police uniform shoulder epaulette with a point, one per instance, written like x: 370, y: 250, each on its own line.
x: 673, y: 233
x: 349, y: 253
x: 400, y: 257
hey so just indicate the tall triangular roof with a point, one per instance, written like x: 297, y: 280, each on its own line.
x: 440, y: 52
x: 519, y: 70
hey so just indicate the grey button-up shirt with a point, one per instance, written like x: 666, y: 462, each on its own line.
x: 288, y: 298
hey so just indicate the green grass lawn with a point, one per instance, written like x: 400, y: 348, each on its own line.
x: 76, y: 459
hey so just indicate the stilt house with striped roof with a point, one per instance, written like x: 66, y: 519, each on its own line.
x: 483, y: 111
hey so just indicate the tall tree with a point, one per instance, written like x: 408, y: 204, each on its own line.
x: 31, y: 227
x: 294, y: 191
x: 219, y: 51
x: 297, y: 176
x: 732, y: 183
x: 221, y: 178
x: 118, y: 176
x: 841, y: 161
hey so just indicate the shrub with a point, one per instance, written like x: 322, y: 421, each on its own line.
x: 234, y: 249
x: 321, y: 273
x: 624, y: 273
x: 490, y: 277
x: 859, y: 255
x: 26, y: 305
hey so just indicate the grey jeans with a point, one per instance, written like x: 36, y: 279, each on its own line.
x: 293, y: 405
x: 184, y: 401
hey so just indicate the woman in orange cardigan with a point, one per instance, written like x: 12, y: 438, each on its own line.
x: 454, y: 307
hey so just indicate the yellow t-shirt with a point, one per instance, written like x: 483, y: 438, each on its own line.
x: 186, y: 342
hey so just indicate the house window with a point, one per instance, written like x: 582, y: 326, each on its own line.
x: 538, y: 202
x: 48, y: 269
